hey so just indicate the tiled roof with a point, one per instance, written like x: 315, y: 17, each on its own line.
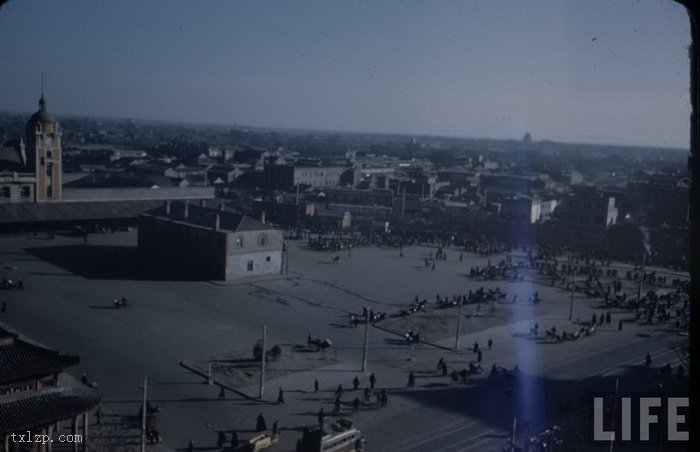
x: 20, y: 360
x: 31, y: 409
x: 206, y: 217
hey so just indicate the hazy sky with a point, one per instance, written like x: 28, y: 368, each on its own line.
x: 565, y: 70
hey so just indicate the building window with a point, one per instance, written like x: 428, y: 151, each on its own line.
x: 5, y: 192
x: 250, y: 266
x: 268, y: 258
x: 26, y: 192
x: 262, y: 240
x: 239, y: 242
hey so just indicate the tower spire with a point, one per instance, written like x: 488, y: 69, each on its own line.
x: 42, y: 101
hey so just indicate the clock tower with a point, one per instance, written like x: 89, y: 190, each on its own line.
x: 42, y: 147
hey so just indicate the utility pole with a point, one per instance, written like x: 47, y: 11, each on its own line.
x: 365, y: 348
x: 144, y: 413
x: 459, y: 324
x: 641, y: 279
x: 617, y: 389
x: 262, y: 364
x: 571, y: 303
x: 403, y: 202
x: 284, y: 252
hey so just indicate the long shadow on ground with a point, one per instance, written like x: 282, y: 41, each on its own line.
x: 539, y: 403
x: 100, y: 262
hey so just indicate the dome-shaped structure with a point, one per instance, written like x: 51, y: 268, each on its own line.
x: 42, y: 116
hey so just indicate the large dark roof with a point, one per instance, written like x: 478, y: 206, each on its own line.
x: 206, y: 217
x: 20, y: 360
x: 27, y: 410
x: 73, y: 211
x: 10, y: 159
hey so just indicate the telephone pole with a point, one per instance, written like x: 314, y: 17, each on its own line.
x: 459, y: 325
x: 365, y: 348
x: 641, y: 279
x: 144, y: 413
x: 262, y: 364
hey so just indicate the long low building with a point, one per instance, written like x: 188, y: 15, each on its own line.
x: 186, y: 241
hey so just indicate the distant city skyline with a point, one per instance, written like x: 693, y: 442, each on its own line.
x: 594, y: 72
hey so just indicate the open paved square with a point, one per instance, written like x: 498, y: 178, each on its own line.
x: 67, y: 305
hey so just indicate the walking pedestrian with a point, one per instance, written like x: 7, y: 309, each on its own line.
x: 321, y: 415
x: 355, y: 383
x: 3, y: 308
x: 280, y: 396
x: 490, y: 344
x: 190, y: 446
x: 619, y: 325
x: 221, y: 439
x: 222, y: 393
x: 316, y: 384
x: 274, y: 428
x: 84, y: 379
x: 339, y: 390
x: 260, y: 424
x: 478, y: 356
x: 367, y: 394
x: 356, y: 404
x: 411, y: 380
x: 336, y: 405
x: 98, y: 415
x: 372, y: 380
x: 234, y: 439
